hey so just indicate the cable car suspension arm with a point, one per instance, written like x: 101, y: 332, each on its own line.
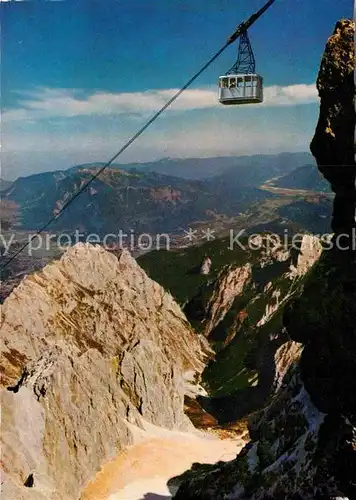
x: 244, y: 26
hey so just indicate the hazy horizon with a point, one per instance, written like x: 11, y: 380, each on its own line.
x: 77, y: 81
x: 67, y: 166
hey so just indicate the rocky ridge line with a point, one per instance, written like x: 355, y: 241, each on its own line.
x: 89, y: 343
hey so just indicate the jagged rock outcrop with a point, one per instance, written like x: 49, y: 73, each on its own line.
x: 89, y: 343
x: 297, y: 452
x: 323, y: 318
x: 333, y: 143
x: 228, y: 285
x: 263, y: 468
x: 240, y: 312
x: 309, y: 252
x: 205, y: 266
x: 304, y: 443
x: 271, y: 259
x: 328, y: 326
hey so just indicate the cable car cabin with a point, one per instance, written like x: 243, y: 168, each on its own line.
x: 241, y: 89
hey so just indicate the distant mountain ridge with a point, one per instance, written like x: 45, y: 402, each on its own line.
x: 119, y: 199
x: 159, y: 196
x: 198, y: 168
x: 204, y: 168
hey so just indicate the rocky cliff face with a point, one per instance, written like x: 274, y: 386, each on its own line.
x: 229, y: 285
x: 333, y: 143
x: 238, y: 308
x: 267, y: 275
x: 240, y: 312
x: 304, y: 443
x: 89, y: 343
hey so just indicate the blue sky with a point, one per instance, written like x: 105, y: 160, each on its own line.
x: 79, y: 77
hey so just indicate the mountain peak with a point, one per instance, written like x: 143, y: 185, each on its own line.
x: 90, y: 343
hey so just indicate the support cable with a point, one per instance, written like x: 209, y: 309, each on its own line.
x: 242, y: 28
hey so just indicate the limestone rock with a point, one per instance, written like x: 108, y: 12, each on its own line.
x: 296, y: 451
x: 333, y: 143
x: 285, y: 357
x: 309, y: 252
x: 241, y: 313
x: 216, y: 299
x: 229, y: 284
x: 323, y: 318
x: 206, y: 266
x: 89, y: 343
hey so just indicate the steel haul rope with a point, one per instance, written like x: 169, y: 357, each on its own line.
x: 242, y: 28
